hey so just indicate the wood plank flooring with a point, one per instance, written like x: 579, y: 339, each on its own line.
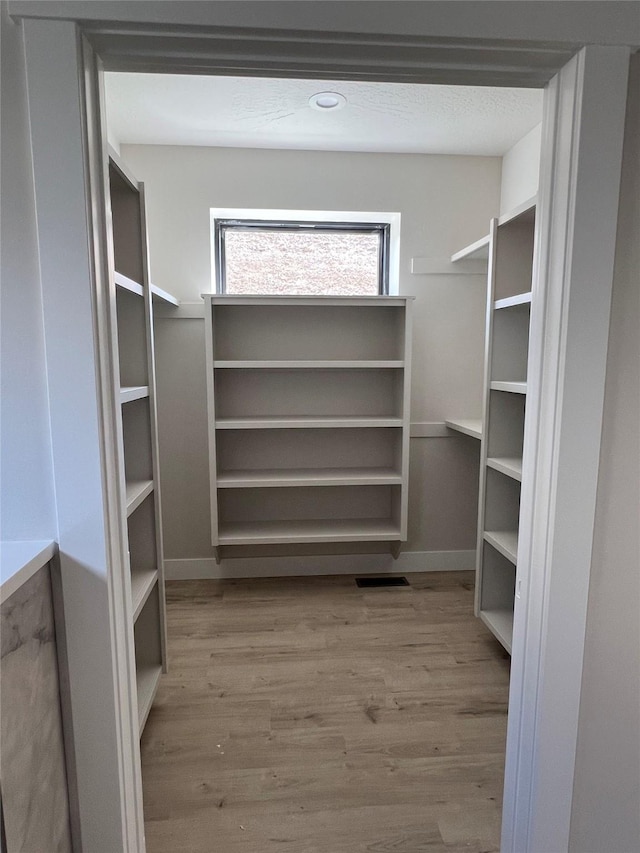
x: 311, y: 716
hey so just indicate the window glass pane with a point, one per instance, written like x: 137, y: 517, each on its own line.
x: 292, y: 263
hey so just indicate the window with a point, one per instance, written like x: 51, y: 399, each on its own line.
x: 296, y: 257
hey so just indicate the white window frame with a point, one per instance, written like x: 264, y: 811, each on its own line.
x: 346, y: 216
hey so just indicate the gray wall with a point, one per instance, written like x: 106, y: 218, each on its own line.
x: 26, y: 490
x: 445, y: 202
x: 606, y: 806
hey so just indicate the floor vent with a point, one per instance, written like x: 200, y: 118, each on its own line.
x: 394, y: 580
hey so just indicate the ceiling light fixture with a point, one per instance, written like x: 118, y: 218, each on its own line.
x: 325, y: 101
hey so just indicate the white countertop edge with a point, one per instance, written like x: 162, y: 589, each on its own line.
x: 20, y: 560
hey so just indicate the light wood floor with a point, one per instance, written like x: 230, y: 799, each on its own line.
x: 310, y: 716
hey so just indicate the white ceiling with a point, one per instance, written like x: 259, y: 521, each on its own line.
x: 251, y: 112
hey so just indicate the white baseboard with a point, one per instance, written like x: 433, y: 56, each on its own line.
x: 332, y: 564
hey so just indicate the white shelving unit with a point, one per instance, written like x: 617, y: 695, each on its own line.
x: 308, y: 419
x: 133, y: 315
x: 510, y: 242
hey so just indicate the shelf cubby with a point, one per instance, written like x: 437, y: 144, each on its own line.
x: 291, y: 450
x: 143, y: 552
x: 510, y: 343
x: 506, y: 418
x: 374, y: 393
x: 514, y: 255
x: 132, y: 339
x: 309, y: 332
x: 497, y: 593
x: 148, y: 654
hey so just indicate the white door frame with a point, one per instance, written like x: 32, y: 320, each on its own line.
x: 581, y: 157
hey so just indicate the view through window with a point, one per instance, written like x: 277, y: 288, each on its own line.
x: 307, y: 258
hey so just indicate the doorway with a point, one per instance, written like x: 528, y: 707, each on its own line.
x: 587, y: 78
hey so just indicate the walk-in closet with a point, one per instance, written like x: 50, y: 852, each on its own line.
x: 313, y: 440
x: 308, y: 504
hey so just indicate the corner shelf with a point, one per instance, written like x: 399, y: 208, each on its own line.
x: 479, y: 250
x: 471, y: 427
x: 337, y: 369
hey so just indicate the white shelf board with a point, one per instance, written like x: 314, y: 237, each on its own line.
x: 277, y: 478
x: 308, y: 364
x: 478, y: 251
x: 509, y: 465
x: 137, y: 491
x: 511, y: 301
x: 129, y: 393
x: 311, y: 530
x: 252, y: 299
x: 504, y: 541
x: 500, y: 623
x: 307, y: 422
x: 128, y: 284
x: 466, y: 426
x: 160, y: 295
x: 142, y: 582
x: 147, y: 679
x: 509, y: 387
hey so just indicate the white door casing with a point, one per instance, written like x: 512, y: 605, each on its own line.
x: 584, y: 117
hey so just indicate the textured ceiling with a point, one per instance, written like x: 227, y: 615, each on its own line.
x: 249, y: 112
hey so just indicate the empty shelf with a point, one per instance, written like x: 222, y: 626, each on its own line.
x: 308, y: 422
x: 467, y: 427
x: 500, y: 623
x: 265, y: 478
x: 509, y: 465
x: 147, y: 678
x: 504, y: 541
x: 133, y: 392
x: 128, y: 284
x: 510, y: 387
x: 142, y: 582
x: 137, y: 491
x: 160, y: 295
x: 511, y: 301
x: 475, y: 251
x: 302, y: 364
x: 308, y: 530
